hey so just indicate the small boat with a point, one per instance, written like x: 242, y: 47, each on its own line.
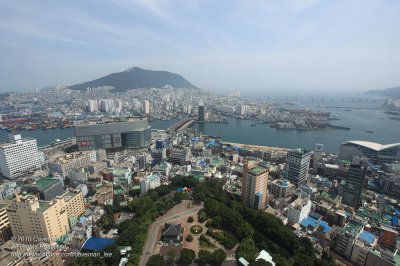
x: 369, y: 131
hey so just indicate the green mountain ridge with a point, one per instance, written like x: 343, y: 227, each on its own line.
x: 135, y: 78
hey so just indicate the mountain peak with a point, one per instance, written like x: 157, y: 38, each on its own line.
x: 137, y: 78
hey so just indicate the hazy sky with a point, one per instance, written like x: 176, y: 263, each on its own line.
x: 252, y: 45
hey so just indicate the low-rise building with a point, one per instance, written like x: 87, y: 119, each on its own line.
x: 105, y: 193
x: 46, y: 188
x: 299, y: 209
x: 149, y: 182
x: 65, y: 163
x: 281, y: 188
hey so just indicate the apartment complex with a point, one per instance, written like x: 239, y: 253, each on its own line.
x: 19, y: 156
x: 254, y: 185
x: 38, y: 221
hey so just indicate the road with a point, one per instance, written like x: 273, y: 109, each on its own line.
x: 153, y: 230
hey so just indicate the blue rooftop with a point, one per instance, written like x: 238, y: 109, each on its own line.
x: 309, y: 221
x: 98, y: 244
x: 367, y: 237
x: 395, y: 220
x: 325, y: 226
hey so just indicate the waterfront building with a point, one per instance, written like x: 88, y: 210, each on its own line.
x: 46, y: 188
x: 318, y: 152
x: 299, y: 209
x: 297, y: 166
x: 130, y: 134
x: 353, y: 184
x: 254, y: 185
x: 149, y: 182
x: 280, y: 188
x: 66, y: 163
x: 19, y: 156
x: 374, y: 151
x: 32, y: 219
x: 202, y: 113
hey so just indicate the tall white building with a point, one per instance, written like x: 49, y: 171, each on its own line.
x: 93, y: 106
x: 117, y: 105
x: 299, y: 209
x: 146, y: 107
x: 19, y: 156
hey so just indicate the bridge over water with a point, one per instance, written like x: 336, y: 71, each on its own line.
x: 181, y: 124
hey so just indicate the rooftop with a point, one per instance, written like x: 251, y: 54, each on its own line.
x: 45, y: 182
x: 152, y: 177
x: 257, y: 170
x: 299, y: 151
x: 351, y: 227
x: 373, y: 145
x: 121, y: 171
x: 69, y: 195
x: 367, y: 237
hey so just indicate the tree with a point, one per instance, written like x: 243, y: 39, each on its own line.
x: 153, y: 195
x: 155, y: 260
x: 202, y: 217
x: 134, y: 192
x: 260, y: 262
x: 205, y: 256
x: 190, y: 219
x: 189, y: 238
x: 247, y: 250
x: 187, y: 256
x: 218, y: 256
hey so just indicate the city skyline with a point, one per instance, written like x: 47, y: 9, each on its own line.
x: 259, y: 46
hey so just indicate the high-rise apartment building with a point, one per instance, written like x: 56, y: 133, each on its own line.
x: 93, y: 106
x: 202, y: 113
x: 254, y: 185
x: 38, y: 221
x: 297, y: 166
x: 19, y: 156
x: 353, y: 184
x: 146, y: 107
